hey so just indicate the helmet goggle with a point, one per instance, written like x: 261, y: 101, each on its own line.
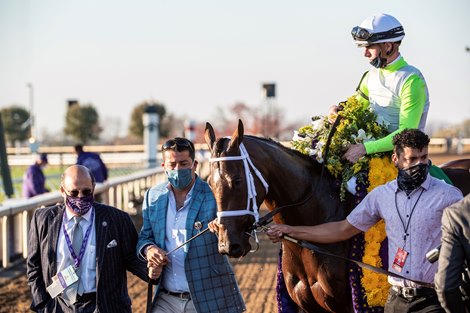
x: 361, y: 34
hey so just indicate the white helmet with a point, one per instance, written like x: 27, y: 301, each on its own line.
x: 377, y: 29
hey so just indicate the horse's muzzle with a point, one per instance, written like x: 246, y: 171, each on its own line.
x: 232, y: 250
x: 233, y: 246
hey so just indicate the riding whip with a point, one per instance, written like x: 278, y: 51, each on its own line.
x: 379, y: 270
x: 153, y: 282
x: 188, y: 241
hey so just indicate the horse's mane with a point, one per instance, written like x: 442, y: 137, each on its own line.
x: 286, y: 149
x: 222, y: 143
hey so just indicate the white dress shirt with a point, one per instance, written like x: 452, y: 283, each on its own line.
x: 88, y: 263
x: 174, y: 275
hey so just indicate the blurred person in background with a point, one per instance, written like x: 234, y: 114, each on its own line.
x: 34, y: 181
x: 93, y: 162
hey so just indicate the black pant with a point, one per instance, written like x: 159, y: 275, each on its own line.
x: 425, y: 304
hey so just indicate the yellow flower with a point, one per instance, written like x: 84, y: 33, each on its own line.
x: 374, y: 284
x: 372, y: 248
x: 375, y: 298
x: 372, y: 235
x: 381, y: 171
x: 370, y: 259
x: 371, y: 280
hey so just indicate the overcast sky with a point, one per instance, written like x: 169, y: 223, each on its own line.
x: 194, y: 56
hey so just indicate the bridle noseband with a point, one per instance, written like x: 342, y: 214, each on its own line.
x: 251, y: 188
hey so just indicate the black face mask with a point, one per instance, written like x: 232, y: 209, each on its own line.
x: 412, y: 177
x: 379, y: 62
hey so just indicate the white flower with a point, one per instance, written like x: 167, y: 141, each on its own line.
x: 318, y: 124
x: 362, y: 136
x: 298, y: 137
x: 317, y: 151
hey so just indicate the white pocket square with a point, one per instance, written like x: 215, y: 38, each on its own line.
x: 112, y: 244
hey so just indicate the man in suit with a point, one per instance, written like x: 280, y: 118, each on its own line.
x: 95, y: 240
x: 455, y: 252
x: 195, y: 278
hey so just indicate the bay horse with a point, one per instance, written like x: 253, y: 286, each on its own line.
x: 246, y: 171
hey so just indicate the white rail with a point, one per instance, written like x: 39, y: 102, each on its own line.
x: 15, y: 215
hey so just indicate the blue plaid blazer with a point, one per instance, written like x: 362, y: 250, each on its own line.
x: 210, y: 276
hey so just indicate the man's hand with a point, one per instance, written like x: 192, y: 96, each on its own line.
x: 214, y: 226
x: 332, y: 114
x: 355, y: 152
x: 156, y: 257
x: 276, y: 232
x: 154, y: 271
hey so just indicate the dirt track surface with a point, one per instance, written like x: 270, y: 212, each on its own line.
x: 256, y: 276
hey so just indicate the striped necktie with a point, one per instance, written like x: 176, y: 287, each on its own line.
x: 77, y: 239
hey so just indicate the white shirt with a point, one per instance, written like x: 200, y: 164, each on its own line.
x: 88, y: 263
x: 174, y: 275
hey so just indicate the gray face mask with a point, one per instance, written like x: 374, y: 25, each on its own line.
x: 180, y: 179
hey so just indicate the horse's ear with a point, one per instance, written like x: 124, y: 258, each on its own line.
x: 209, y: 136
x: 237, y: 137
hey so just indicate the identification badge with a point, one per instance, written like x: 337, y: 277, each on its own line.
x: 400, y: 259
x: 62, y: 280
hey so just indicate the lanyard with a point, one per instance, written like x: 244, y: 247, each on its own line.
x: 409, y: 220
x: 78, y: 259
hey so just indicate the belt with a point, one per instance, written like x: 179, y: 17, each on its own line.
x: 409, y: 293
x: 181, y: 295
x: 86, y: 297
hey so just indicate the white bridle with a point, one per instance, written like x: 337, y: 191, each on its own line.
x: 251, y: 188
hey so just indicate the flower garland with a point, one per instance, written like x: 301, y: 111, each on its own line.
x: 375, y: 285
x: 358, y: 125
x: 381, y: 171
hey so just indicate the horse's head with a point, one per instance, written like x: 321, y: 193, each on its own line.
x: 231, y: 187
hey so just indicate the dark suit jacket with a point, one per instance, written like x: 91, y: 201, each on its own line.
x: 455, y: 250
x: 111, y: 262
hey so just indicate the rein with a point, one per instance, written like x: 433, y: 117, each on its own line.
x: 315, y: 248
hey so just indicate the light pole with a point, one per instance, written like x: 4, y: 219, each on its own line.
x: 269, y: 95
x: 33, y: 144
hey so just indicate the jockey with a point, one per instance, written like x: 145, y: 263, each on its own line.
x: 394, y: 90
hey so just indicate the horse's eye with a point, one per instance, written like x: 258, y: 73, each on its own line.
x: 237, y: 182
